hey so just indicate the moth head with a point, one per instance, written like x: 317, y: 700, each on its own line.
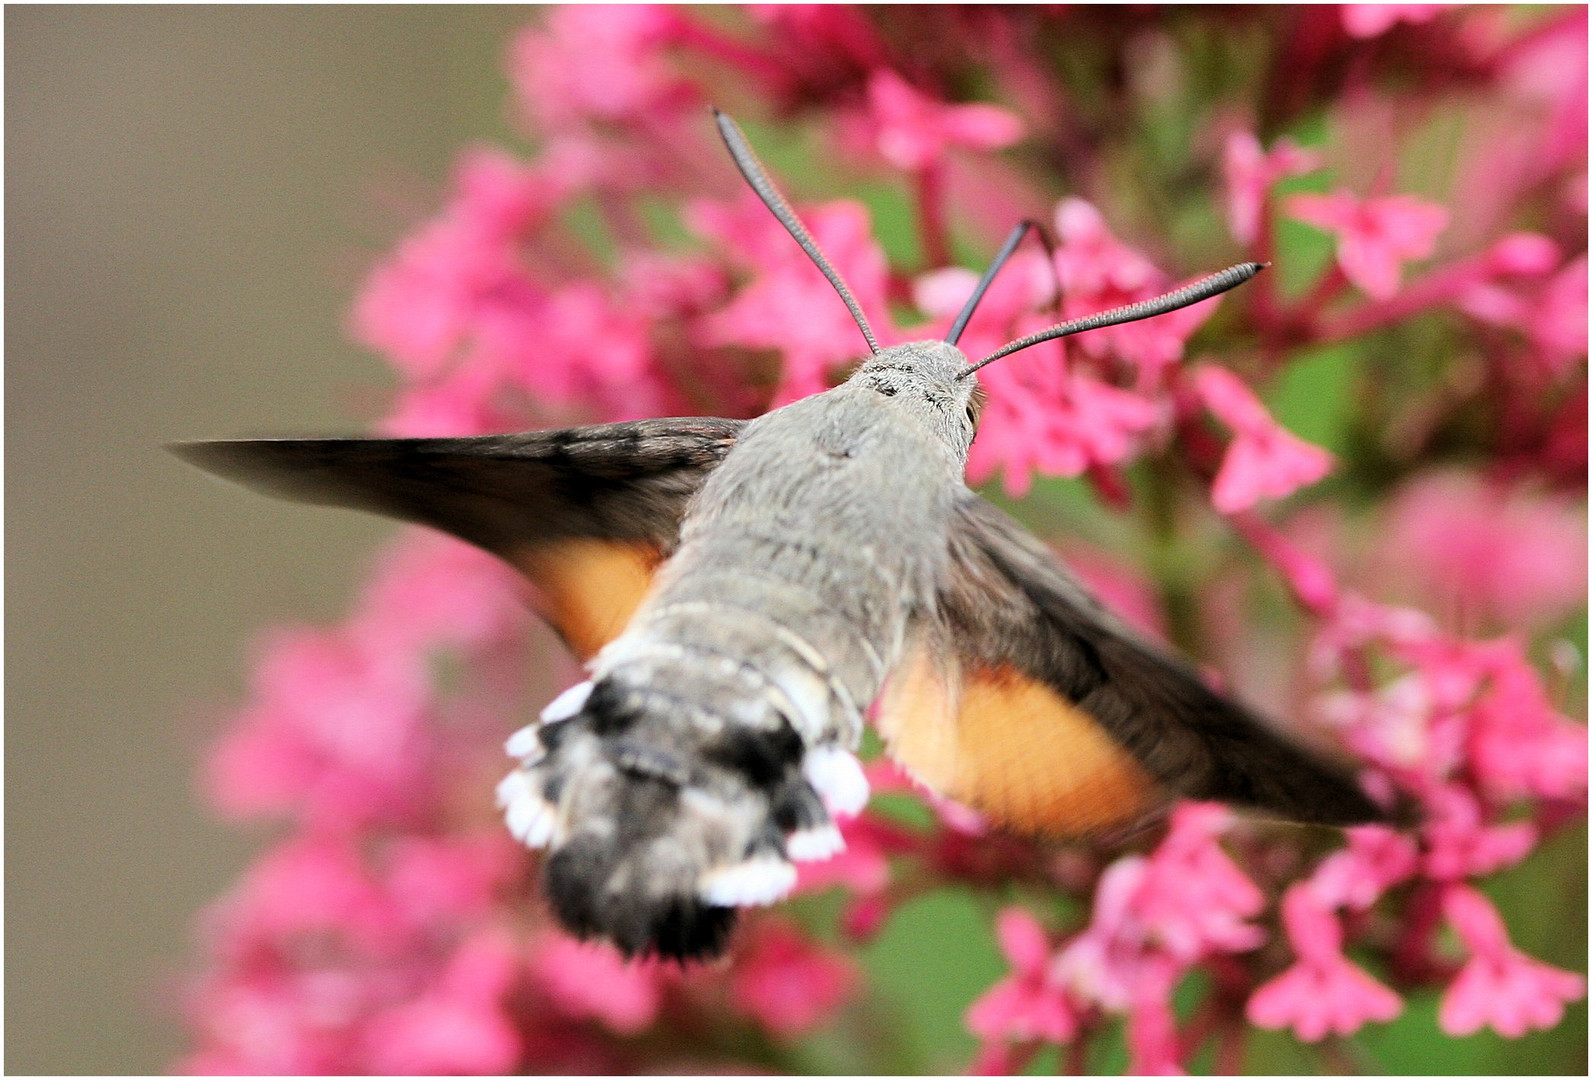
x: 924, y: 377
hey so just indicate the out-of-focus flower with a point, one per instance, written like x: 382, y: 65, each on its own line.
x: 1323, y: 993
x: 1460, y: 843
x: 334, y: 733
x: 1026, y: 1004
x: 1250, y: 173
x: 1486, y: 550
x: 1264, y: 460
x: 1550, y: 313
x: 591, y: 979
x: 421, y: 306
x: 913, y: 131
x: 599, y: 64
x: 787, y: 983
x: 1376, y: 236
x: 1097, y: 272
x: 788, y: 305
x: 1355, y: 877
x: 1153, y: 1048
x: 1499, y: 987
x: 461, y: 1026
x: 1374, y: 20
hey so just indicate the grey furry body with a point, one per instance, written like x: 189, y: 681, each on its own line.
x: 802, y: 561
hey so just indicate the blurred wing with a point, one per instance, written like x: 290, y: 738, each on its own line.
x: 586, y: 513
x: 1033, y: 705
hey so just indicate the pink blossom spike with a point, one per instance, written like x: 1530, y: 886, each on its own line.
x: 1375, y: 859
x: 1460, y: 843
x: 1499, y: 987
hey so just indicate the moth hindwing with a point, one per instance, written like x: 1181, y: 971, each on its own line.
x: 743, y: 591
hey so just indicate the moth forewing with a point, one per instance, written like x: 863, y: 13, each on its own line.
x: 742, y: 591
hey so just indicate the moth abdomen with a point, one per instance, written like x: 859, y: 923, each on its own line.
x: 670, y: 791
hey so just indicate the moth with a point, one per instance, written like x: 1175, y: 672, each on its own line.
x: 742, y: 592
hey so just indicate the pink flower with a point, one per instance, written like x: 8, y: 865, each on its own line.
x: 1374, y: 20
x: 786, y: 983
x: 862, y: 866
x: 1499, y: 987
x: 1376, y: 236
x: 1185, y: 902
x: 1025, y: 287
x: 1041, y: 417
x: 304, y: 888
x: 460, y: 1026
x: 1105, y: 962
x: 1323, y: 992
x: 1026, y: 1004
x: 1394, y: 726
x: 582, y: 344
x: 1153, y: 1048
x: 1250, y: 174
x: 1195, y: 899
x: 598, y: 64
x: 334, y: 732
x: 1098, y: 271
x: 913, y: 131
x: 789, y: 305
x: 1551, y: 314
x: 591, y: 979
x: 432, y: 591
x: 1264, y: 460
x: 1485, y: 550
x: 1519, y: 745
x: 1355, y: 876
x: 420, y: 305
x: 1461, y: 844
x: 433, y: 881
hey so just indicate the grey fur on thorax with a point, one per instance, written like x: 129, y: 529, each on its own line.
x: 807, y: 552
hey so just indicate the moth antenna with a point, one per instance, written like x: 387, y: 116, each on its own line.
x: 1015, y: 238
x: 757, y: 176
x: 1203, y: 289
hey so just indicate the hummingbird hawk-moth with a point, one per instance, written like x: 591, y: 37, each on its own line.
x: 742, y: 592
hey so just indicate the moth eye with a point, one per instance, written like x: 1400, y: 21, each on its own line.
x: 972, y: 415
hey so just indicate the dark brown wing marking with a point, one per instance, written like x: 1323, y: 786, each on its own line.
x: 587, y: 514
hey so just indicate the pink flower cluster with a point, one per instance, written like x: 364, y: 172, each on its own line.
x: 394, y: 926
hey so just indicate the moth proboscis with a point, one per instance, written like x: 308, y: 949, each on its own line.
x: 742, y: 591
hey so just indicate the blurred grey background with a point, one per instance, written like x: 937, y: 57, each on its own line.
x: 191, y: 194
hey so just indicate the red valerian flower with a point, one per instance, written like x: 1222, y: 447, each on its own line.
x: 913, y: 131
x: 1027, y: 1004
x: 1376, y: 236
x: 1323, y: 993
x: 1264, y: 460
x: 1499, y: 987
